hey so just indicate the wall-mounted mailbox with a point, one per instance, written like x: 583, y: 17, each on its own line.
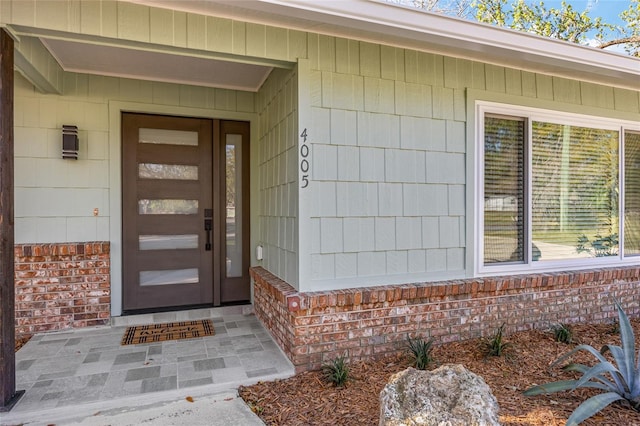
x: 70, y: 143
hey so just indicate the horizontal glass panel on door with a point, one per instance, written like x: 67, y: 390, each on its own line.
x: 168, y: 242
x: 168, y: 137
x: 167, y: 171
x: 169, y: 276
x: 167, y: 206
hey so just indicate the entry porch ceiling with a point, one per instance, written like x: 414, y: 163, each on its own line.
x: 116, y: 61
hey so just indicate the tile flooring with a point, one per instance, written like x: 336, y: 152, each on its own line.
x: 81, y: 366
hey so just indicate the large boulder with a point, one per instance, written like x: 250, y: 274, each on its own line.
x: 450, y: 395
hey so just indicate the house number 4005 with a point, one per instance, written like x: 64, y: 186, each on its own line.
x: 304, y: 162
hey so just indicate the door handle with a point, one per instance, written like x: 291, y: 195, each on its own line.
x: 208, y: 224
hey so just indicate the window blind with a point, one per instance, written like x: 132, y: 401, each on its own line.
x: 504, y: 180
x: 574, y: 191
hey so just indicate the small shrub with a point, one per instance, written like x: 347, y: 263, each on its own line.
x: 256, y: 408
x: 336, y: 371
x: 615, y: 327
x: 618, y: 380
x: 421, y: 352
x: 600, y: 246
x: 563, y: 333
x: 495, y: 345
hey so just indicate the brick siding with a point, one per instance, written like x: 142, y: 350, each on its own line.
x: 366, y: 323
x: 61, y: 286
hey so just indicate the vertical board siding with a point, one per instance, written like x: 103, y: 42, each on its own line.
x: 388, y: 140
x: 277, y: 109
x: 55, y: 198
x: 398, y: 120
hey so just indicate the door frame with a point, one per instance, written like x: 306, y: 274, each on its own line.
x: 114, y: 190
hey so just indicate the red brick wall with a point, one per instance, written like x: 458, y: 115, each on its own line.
x: 370, y: 322
x: 61, y: 286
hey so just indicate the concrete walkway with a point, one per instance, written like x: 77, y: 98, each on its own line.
x: 87, y: 377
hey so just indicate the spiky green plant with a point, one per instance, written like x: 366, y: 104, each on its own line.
x: 337, y: 371
x: 618, y: 380
x: 420, y: 351
x: 562, y: 333
x: 495, y: 345
x: 615, y: 327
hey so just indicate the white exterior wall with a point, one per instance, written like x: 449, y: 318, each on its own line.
x: 278, y: 234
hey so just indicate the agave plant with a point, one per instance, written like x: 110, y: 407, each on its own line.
x: 618, y: 380
x: 337, y: 371
x: 562, y: 333
x: 496, y: 344
x: 421, y: 352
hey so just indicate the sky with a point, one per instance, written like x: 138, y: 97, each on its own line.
x: 607, y: 9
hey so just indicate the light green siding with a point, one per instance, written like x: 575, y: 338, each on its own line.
x: 55, y: 198
x: 388, y: 196
x: 390, y: 175
x: 277, y: 171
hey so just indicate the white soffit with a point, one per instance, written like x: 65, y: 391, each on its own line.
x: 158, y: 66
x: 384, y: 23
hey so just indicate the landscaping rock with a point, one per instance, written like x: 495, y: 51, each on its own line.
x: 450, y: 395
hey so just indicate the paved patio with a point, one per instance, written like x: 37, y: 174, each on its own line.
x: 86, y: 366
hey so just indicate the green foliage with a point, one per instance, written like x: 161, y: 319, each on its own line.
x: 255, y: 407
x: 496, y: 344
x: 492, y: 12
x: 631, y: 29
x: 563, y: 23
x: 618, y: 380
x: 600, y: 246
x: 336, y: 371
x: 563, y: 333
x: 615, y: 327
x: 421, y: 352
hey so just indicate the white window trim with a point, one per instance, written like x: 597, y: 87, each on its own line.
x: 557, y: 117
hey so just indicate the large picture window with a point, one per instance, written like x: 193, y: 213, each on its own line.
x: 553, y: 189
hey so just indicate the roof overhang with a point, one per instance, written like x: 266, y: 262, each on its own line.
x: 380, y: 22
x: 121, y: 61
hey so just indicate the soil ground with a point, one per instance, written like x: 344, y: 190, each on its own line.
x: 21, y: 341
x: 308, y: 399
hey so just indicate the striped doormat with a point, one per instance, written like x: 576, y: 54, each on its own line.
x: 167, y: 331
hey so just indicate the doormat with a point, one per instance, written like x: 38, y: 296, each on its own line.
x: 167, y: 331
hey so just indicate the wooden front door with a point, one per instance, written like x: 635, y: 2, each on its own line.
x: 167, y: 197
x: 185, y: 212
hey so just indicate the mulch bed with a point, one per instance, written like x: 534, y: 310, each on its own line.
x: 308, y: 399
x: 21, y: 341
